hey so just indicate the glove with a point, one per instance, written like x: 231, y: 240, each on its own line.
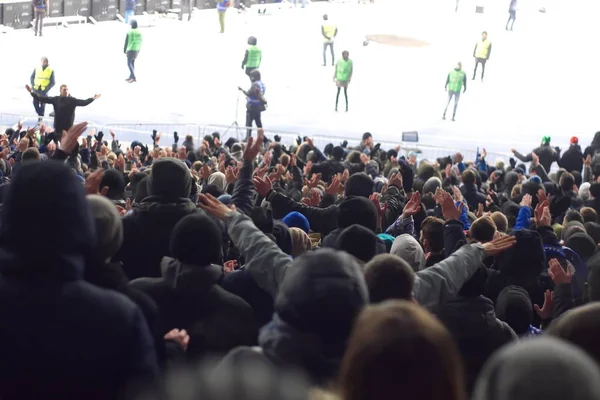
x: 118, y: 144
x: 99, y: 137
x: 298, y: 139
x: 512, y: 162
x: 175, y: 137
x: 144, y: 150
x: 153, y: 136
x: 344, y: 144
x: 376, y: 148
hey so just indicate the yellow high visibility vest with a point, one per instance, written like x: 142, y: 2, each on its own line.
x: 42, y: 78
x: 483, y: 49
x: 329, y: 31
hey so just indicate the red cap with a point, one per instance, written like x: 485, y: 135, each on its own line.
x: 574, y: 140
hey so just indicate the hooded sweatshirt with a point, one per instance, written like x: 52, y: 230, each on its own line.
x: 541, y: 368
x: 408, y: 248
x: 74, y: 340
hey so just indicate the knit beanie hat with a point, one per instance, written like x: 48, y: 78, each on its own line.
x: 359, y: 184
x: 297, y: 220
x: 197, y: 239
x: 359, y: 242
x: 357, y: 210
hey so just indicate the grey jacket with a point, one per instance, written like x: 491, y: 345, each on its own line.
x: 267, y: 264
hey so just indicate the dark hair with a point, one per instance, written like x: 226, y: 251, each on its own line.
x: 573, y: 215
x: 114, y: 180
x: 589, y: 214
x: 468, y: 177
x: 433, y: 232
x: 134, y: 24
x: 595, y: 189
x: 483, y: 229
x: 501, y: 221
x: 389, y: 277
x: 399, y: 335
x: 593, y: 229
x: 566, y: 182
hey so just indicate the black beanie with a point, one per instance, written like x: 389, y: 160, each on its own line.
x: 359, y: 184
x: 357, y: 210
x: 366, y: 135
x: 359, y: 242
x: 338, y: 153
x: 197, y: 240
x: 514, y: 307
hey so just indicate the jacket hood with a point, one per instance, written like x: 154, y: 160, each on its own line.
x: 197, y: 239
x: 109, y: 227
x: 284, y: 343
x: 408, y: 248
x: 321, y: 294
x: 218, y: 179
x: 431, y: 185
x: 170, y: 178
x: 66, y: 235
x: 358, y: 241
x: 544, y: 368
x: 187, y: 278
x: 474, y: 315
x: 526, y: 258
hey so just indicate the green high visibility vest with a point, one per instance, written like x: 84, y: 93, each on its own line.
x: 456, y: 79
x: 343, y: 69
x: 254, y: 57
x: 134, y: 40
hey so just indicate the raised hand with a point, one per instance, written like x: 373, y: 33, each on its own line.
x: 314, y: 181
x: 213, y: 206
x: 558, y: 274
x: 526, y: 201
x: 69, y: 139
x: 92, y: 182
x: 376, y: 200
x: 313, y: 199
x: 263, y: 186
x: 231, y: 175
x: 413, y: 206
x: 499, y: 245
x: 180, y: 336
x: 546, y: 312
x: 252, y: 147
x: 230, y: 266
x: 334, y: 188
x: 396, y: 180
x: 307, y: 168
x: 542, y: 215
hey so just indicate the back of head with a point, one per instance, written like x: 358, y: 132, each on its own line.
x: 573, y: 215
x: 113, y: 179
x: 483, y: 230
x: 197, y: 239
x: 582, y: 244
x: 357, y: 210
x: 170, y: 179
x: 580, y: 326
x: 134, y: 24
x: 255, y: 75
x: 431, y: 185
x: 501, y: 221
x: 321, y: 294
x: 359, y: 242
x: 593, y: 229
x: 566, y: 182
x: 300, y: 242
x: 594, y: 278
x: 401, y: 336
x: 514, y: 307
x: 541, y: 368
x: 572, y: 228
x: 408, y: 249
x: 589, y: 214
x: 526, y: 258
x: 389, y: 277
x: 52, y: 190
x: 432, y: 229
x: 595, y: 190
x: 359, y: 184
x: 109, y: 227
x: 468, y: 177
x: 338, y: 153
x: 31, y: 154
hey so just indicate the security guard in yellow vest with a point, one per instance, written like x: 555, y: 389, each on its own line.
x: 42, y: 80
x: 483, y: 49
x: 329, y: 32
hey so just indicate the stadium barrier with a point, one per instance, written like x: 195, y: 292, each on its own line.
x: 127, y: 133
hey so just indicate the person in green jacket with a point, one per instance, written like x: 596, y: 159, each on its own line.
x: 133, y: 43
x: 253, y: 56
x: 455, y: 82
x: 342, y: 77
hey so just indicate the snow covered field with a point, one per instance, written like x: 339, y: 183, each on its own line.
x: 542, y: 79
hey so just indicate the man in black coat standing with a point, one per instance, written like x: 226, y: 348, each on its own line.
x: 61, y: 337
x: 64, y: 108
x: 572, y: 159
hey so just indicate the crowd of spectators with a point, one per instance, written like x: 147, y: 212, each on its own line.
x: 229, y: 270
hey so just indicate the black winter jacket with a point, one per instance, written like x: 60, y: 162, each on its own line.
x: 572, y: 159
